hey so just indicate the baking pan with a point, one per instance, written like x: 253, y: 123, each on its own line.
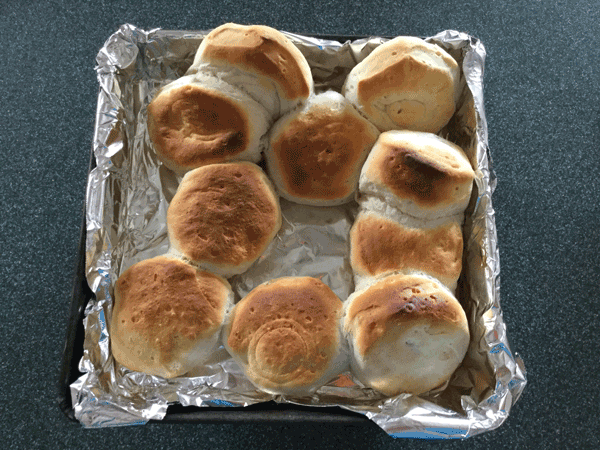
x: 485, y: 411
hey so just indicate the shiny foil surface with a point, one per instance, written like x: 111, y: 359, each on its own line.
x: 128, y: 193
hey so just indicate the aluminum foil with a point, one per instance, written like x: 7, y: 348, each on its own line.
x: 127, y: 198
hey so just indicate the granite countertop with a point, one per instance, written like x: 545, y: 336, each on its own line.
x: 542, y: 99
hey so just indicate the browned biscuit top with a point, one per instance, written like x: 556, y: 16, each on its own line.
x: 224, y: 214
x: 428, y: 172
x: 287, y: 330
x: 404, y: 64
x: 261, y: 49
x: 398, y: 299
x: 319, y: 152
x: 379, y: 245
x: 191, y: 125
x: 167, y: 301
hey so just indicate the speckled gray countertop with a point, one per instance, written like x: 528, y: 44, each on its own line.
x: 542, y: 98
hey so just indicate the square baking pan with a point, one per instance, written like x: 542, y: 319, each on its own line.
x: 500, y: 399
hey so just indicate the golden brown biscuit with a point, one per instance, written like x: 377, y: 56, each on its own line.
x: 258, y: 60
x: 285, y: 334
x: 419, y: 174
x: 223, y: 217
x: 379, y: 245
x: 407, y: 334
x: 405, y: 84
x: 316, y: 152
x: 167, y: 316
x: 199, y: 120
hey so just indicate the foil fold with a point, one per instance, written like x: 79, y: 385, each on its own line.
x: 127, y: 196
